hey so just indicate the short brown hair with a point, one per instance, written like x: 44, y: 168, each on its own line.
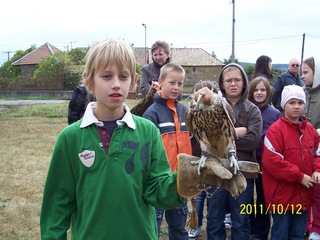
x: 161, y: 44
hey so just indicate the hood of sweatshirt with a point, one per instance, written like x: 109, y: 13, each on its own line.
x: 245, y: 90
x: 316, y: 80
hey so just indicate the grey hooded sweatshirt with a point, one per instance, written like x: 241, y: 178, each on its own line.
x: 312, y: 108
x: 247, y: 115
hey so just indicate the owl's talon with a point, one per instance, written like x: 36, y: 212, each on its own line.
x: 233, y: 161
x: 201, y: 162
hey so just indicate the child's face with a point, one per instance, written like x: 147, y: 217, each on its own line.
x: 260, y: 93
x: 111, y: 87
x: 172, y: 85
x: 270, y: 66
x: 232, y: 83
x: 307, y: 75
x: 294, y: 109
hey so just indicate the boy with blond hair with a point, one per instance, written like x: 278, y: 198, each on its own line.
x: 109, y: 170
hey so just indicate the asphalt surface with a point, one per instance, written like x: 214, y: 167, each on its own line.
x: 28, y: 102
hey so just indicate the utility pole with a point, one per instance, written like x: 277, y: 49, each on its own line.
x: 145, y: 42
x: 8, y: 52
x: 68, y: 46
x: 233, y: 22
x: 303, y: 38
x: 71, y: 45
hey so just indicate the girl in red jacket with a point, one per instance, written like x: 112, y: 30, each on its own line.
x: 291, y: 167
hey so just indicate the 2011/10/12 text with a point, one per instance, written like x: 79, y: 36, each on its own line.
x: 273, y: 208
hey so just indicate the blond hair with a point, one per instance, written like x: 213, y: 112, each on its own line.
x: 170, y: 67
x: 106, y: 52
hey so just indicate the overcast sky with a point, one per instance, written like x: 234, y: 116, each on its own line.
x: 273, y: 27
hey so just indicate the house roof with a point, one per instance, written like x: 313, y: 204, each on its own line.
x: 36, y: 55
x: 181, y: 56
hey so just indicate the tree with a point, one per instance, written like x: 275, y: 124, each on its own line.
x: 226, y: 61
x: 57, y: 72
x: 9, y: 71
x: 76, y: 55
x: 249, y: 70
x: 275, y: 74
x: 10, y: 74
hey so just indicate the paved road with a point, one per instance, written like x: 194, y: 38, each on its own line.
x: 28, y: 102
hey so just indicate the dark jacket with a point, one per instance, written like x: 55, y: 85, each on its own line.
x: 150, y: 72
x: 269, y: 116
x: 78, y: 103
x: 169, y: 116
x: 284, y: 79
x: 247, y: 115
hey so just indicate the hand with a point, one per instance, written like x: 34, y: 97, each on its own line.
x: 155, y: 85
x: 207, y: 95
x: 307, y: 181
x: 241, y: 131
x: 316, y: 177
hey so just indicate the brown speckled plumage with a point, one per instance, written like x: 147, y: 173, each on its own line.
x: 212, y: 126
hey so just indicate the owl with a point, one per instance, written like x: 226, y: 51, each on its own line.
x: 212, y: 125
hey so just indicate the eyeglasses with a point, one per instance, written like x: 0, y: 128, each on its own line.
x: 295, y: 65
x: 236, y: 81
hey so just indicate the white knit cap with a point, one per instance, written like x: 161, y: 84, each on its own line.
x: 292, y: 91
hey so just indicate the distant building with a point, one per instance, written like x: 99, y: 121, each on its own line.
x: 29, y: 63
x: 198, y: 64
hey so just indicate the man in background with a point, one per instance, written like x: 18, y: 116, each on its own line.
x: 291, y: 76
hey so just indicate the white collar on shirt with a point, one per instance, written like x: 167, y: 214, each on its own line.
x: 89, y: 118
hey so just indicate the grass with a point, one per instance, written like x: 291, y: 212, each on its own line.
x: 28, y: 134
x: 41, y: 110
x: 26, y: 146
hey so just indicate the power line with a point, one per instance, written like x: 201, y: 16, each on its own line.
x: 244, y: 41
x: 313, y: 36
x: 70, y: 46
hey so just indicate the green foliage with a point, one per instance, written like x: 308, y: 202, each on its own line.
x: 76, y: 56
x: 227, y: 61
x: 9, y: 72
x: 57, y: 72
x: 249, y: 70
x: 73, y: 76
x: 50, y: 72
x: 275, y: 74
x: 138, y: 69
